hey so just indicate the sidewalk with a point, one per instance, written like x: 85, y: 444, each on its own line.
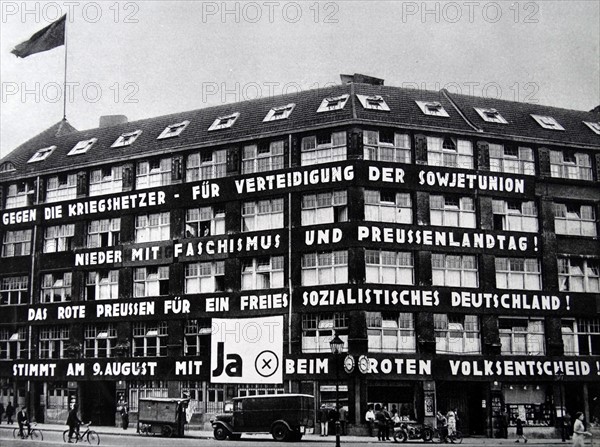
x: 204, y: 434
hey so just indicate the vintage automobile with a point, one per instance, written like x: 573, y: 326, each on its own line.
x: 162, y: 416
x: 285, y: 416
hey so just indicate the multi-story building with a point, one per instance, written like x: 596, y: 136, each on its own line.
x: 450, y: 241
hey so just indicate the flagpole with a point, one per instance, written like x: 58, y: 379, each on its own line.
x: 65, y: 81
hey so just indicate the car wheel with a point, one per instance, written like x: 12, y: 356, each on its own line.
x: 221, y: 433
x: 280, y: 432
x: 167, y: 431
x: 400, y: 436
x: 427, y: 435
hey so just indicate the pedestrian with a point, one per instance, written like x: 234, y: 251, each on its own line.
x: 73, y: 422
x: 324, y: 419
x: 380, y: 423
x: 1, y: 411
x: 520, y: 434
x: 579, y: 432
x: 370, y: 419
x: 343, y: 418
x: 442, y: 426
x: 387, y: 422
x: 10, y: 411
x: 504, y: 424
x: 451, y: 420
x: 125, y: 415
x: 568, y: 425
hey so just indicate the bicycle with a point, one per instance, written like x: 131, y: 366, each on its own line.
x: 454, y: 438
x: 33, y: 433
x: 88, y: 435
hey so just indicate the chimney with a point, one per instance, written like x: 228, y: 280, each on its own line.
x: 112, y: 120
x: 360, y: 79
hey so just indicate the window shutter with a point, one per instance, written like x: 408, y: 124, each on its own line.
x: 483, y: 155
x: 127, y: 177
x: 177, y: 168
x: 355, y: 144
x: 39, y: 185
x: 233, y: 160
x: 491, y: 334
x: 544, y: 156
x: 82, y: 184
x: 420, y: 149
x: 286, y: 152
x: 296, y: 151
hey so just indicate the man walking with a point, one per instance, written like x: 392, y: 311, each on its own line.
x: 10, y: 411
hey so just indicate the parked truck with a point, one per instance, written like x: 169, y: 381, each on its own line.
x: 285, y: 416
x: 162, y: 416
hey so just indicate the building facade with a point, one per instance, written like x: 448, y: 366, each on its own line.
x: 450, y: 241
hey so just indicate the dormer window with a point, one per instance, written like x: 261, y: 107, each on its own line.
x: 82, y: 147
x: 374, y: 102
x: 490, y: 115
x: 224, y: 122
x: 126, y: 139
x: 7, y: 167
x: 432, y: 108
x: 594, y: 126
x: 547, y: 122
x: 174, y: 130
x: 333, y: 103
x: 41, y: 154
x: 279, y: 113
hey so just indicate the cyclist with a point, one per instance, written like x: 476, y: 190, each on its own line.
x: 73, y: 422
x: 442, y: 425
x: 23, y: 421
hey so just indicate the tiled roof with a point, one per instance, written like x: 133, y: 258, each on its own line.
x: 404, y: 112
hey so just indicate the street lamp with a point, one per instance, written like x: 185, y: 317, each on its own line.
x: 337, y: 344
x: 559, y: 378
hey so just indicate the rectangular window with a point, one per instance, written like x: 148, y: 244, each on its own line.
x: 61, y: 187
x: 56, y: 287
x: 205, y: 277
x: 59, y: 238
x: 581, y: 336
x: 153, y: 173
x: 107, y: 180
x: 388, y: 206
x: 389, y: 267
x: 153, y: 227
x: 325, y: 268
x: 575, y: 219
x: 578, y: 275
x: 151, y: 281
x: 262, y: 273
x: 19, y: 195
x: 570, y: 165
x: 515, y: 215
x: 52, y: 341
x: 16, y: 243
x: 196, y: 337
x: 102, y: 285
x: 324, y: 207
x: 454, y: 270
x: 323, y: 148
x: 104, y: 233
x: 263, y: 157
x: 14, y: 290
x: 512, y: 160
x: 206, y: 165
x: 319, y: 329
x: 262, y: 215
x: 100, y: 340
x: 452, y: 211
x: 457, y: 334
x: 13, y: 343
x: 386, y: 146
x: 391, y: 332
x: 449, y: 152
x: 150, y: 339
x: 205, y: 221
x: 521, y: 336
x: 518, y: 273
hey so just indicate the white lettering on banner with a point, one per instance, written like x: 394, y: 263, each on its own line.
x: 306, y: 366
x: 17, y: 217
x: 217, y: 304
x: 391, y: 175
x: 188, y: 367
x: 70, y: 312
x: 223, y: 246
x: 547, y: 368
x: 328, y: 236
x: 506, y: 301
x: 131, y: 201
x: 409, y: 367
x: 34, y: 369
x: 37, y: 314
x: 139, y: 308
x: 145, y: 253
x: 376, y: 296
x: 205, y: 191
x: 76, y: 369
x: 284, y: 180
x: 259, y: 302
x: 52, y: 212
x: 124, y: 369
x: 445, y: 238
x: 177, y: 306
x: 481, y: 182
x: 99, y: 257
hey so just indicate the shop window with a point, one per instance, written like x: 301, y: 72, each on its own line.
x: 196, y: 337
x: 575, y: 219
x: 153, y: 227
x: 325, y: 268
x: 389, y: 267
x: 511, y: 159
x: 100, y: 340
x: 518, y: 273
x: 449, y: 152
x: 61, y: 187
x: 150, y: 339
x: 14, y: 290
x: 384, y: 145
x: 324, y: 207
x: 259, y: 390
x: 205, y: 277
x: 206, y: 165
x: 104, y: 233
x: 205, y: 221
x: 151, y: 281
x: 59, y: 238
x: 16, y: 243
x: 521, y: 336
x: 581, y: 336
x: 153, y: 173
x: 578, y: 275
x: 58, y: 395
x: 13, y: 343
x: 323, y: 148
x: 532, y: 403
x: 19, y: 195
x: 52, y: 341
x: 56, y: 287
x: 458, y: 334
x: 262, y: 273
x: 515, y: 215
x: 454, y: 270
x: 391, y: 332
x: 388, y: 206
x: 319, y: 329
x: 570, y: 165
x: 102, y: 285
x: 263, y: 157
x: 262, y: 215
x: 452, y: 211
x: 108, y: 180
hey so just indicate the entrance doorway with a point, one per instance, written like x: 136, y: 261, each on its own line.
x: 471, y: 413
x: 98, y: 402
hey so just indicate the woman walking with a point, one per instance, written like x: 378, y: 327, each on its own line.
x: 579, y: 432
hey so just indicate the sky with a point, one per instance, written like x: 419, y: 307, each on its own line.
x: 149, y: 58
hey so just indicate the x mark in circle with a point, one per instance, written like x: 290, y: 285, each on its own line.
x: 266, y: 363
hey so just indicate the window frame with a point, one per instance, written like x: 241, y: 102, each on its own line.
x: 317, y: 264
x: 324, y: 326
x: 168, y: 131
x: 41, y: 154
x: 82, y: 147
x: 448, y: 326
x: 463, y: 270
x: 224, y: 121
x: 126, y: 138
x: 529, y: 334
x: 513, y: 276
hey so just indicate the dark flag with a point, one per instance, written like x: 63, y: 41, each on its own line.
x: 45, y: 39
